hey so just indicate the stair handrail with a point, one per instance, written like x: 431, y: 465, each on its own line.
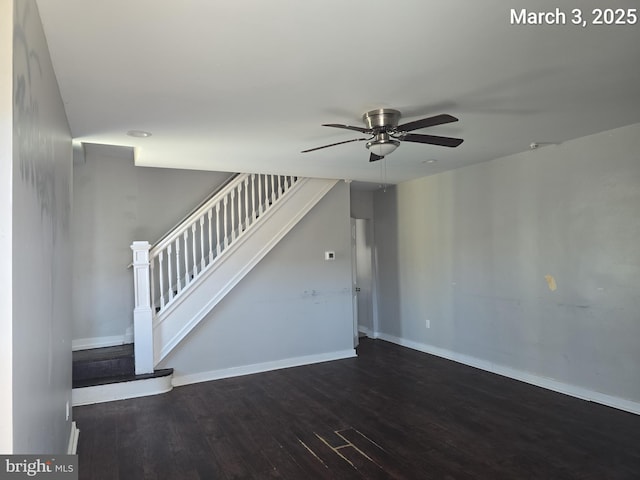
x: 198, y: 242
x: 186, y: 223
x: 197, y: 208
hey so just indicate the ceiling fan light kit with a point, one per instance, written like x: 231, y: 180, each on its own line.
x: 382, y: 145
x: 386, y: 134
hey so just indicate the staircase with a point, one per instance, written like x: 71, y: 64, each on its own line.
x: 179, y: 280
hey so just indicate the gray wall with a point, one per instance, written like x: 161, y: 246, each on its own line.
x: 41, y: 255
x: 292, y: 304
x: 470, y: 249
x: 361, y: 203
x: 115, y: 203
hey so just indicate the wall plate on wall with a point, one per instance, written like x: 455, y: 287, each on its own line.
x: 329, y: 255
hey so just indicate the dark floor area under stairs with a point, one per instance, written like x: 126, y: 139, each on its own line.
x: 103, y: 366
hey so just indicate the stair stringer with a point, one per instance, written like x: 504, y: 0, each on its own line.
x: 174, y: 323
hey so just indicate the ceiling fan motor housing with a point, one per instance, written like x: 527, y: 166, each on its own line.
x: 382, y: 119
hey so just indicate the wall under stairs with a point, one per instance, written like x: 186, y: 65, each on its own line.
x: 293, y: 308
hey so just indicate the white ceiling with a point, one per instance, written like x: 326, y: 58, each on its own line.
x: 244, y: 86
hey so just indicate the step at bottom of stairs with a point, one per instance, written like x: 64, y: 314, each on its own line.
x: 108, y: 374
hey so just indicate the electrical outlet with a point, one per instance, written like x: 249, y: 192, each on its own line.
x: 428, y: 323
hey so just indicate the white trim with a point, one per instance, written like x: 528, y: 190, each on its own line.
x: 99, y: 342
x: 179, y: 380
x: 121, y: 390
x: 72, y: 448
x: 544, y: 382
x: 367, y: 331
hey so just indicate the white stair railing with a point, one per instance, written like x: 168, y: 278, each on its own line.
x: 163, y: 272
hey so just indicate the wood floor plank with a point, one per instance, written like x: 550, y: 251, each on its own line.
x: 390, y: 413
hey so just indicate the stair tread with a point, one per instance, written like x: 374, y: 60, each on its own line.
x: 104, y: 353
x: 92, y: 382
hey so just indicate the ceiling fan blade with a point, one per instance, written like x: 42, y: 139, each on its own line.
x: 432, y: 140
x: 334, y: 144
x: 374, y: 158
x: 426, y: 122
x: 347, y: 127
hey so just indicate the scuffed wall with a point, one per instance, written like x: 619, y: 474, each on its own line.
x: 41, y: 256
x: 530, y: 262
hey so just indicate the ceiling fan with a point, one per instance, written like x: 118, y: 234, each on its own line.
x: 386, y: 134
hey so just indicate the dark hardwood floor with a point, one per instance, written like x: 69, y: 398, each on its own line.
x: 390, y: 413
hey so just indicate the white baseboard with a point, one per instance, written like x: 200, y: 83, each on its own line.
x: 120, y: 391
x: 99, y: 342
x: 72, y: 448
x: 544, y: 382
x: 368, y: 332
x: 179, y: 380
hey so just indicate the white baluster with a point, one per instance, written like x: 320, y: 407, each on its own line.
x: 193, y: 250
x: 169, y: 279
x: 226, y: 223
x: 260, y: 199
x: 218, y: 238
x: 254, y: 212
x: 178, y: 280
x: 233, y: 213
x: 239, y: 217
x: 153, y: 286
x: 187, y: 277
x: 279, y: 186
x: 161, y: 276
x: 246, y: 202
x: 210, y: 213
x: 202, y: 257
x: 273, y: 188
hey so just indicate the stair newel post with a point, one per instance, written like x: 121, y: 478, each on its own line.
x: 142, y: 313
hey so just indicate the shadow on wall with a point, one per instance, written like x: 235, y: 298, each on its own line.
x: 386, y: 260
x: 34, y: 149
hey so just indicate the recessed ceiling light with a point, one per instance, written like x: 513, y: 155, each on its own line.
x: 431, y: 160
x: 138, y: 133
